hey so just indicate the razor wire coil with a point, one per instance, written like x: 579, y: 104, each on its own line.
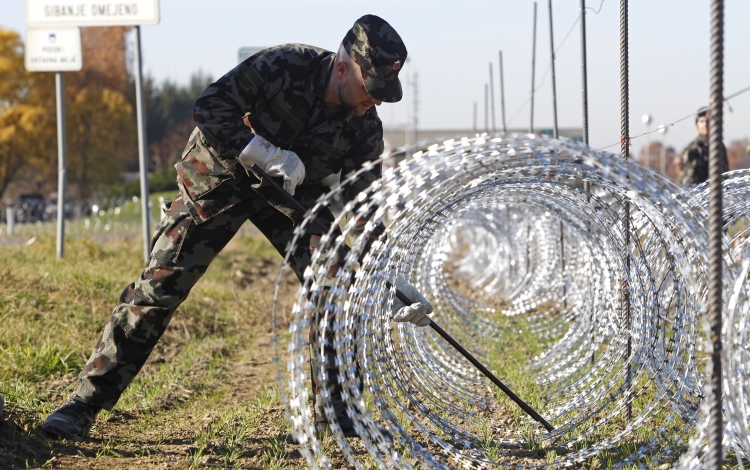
x: 473, y: 223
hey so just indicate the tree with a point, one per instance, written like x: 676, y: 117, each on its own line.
x: 651, y: 156
x: 106, y: 63
x: 26, y: 113
x: 737, y: 154
x: 100, y: 130
x: 170, y: 117
x: 20, y: 142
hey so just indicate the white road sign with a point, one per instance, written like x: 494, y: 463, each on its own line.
x: 53, y: 50
x: 91, y: 12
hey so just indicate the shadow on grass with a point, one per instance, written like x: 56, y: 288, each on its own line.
x: 22, y: 445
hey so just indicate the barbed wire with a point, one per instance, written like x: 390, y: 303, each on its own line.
x: 664, y: 126
x: 473, y: 223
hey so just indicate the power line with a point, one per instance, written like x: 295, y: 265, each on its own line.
x: 546, y: 72
x: 726, y: 100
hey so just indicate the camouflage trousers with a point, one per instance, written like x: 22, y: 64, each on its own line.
x: 323, y: 368
x: 181, y: 251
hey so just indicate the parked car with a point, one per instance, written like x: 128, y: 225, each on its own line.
x: 50, y: 209
x: 30, y: 208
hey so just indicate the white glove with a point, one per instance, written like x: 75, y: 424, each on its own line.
x: 417, y: 311
x: 274, y: 161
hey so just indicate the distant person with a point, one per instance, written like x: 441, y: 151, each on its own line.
x: 695, y: 156
x: 677, y: 163
x: 302, y: 114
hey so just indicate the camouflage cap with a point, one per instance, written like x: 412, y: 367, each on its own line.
x: 380, y: 53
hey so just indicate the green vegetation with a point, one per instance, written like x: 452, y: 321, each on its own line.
x: 207, y: 390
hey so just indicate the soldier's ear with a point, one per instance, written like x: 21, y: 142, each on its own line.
x: 341, y: 70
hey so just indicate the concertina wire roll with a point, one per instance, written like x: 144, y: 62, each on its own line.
x: 494, y: 227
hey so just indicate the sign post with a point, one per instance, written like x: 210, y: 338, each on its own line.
x: 56, y: 13
x: 142, y: 147
x: 56, y: 50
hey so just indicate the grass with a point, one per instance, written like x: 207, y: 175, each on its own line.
x: 508, y: 356
x: 193, y: 397
x: 202, y: 399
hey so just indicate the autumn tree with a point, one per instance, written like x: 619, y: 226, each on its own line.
x: 737, y: 154
x: 100, y: 130
x: 652, y: 154
x: 106, y: 62
x: 27, y: 107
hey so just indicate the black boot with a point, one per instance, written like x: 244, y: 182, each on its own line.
x: 73, y: 419
x: 346, y: 425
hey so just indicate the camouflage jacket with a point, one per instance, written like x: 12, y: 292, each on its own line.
x: 280, y: 92
x: 695, y: 162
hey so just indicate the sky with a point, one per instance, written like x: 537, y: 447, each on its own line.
x: 451, y: 44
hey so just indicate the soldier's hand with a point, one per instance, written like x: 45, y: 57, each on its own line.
x: 416, y: 312
x: 287, y: 165
x: 274, y: 161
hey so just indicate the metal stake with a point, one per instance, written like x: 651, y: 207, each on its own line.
x: 533, y: 66
x: 492, y: 99
x: 715, y: 222
x: 61, y: 162
x: 475, y: 118
x: 142, y: 146
x: 486, y: 110
x: 552, y: 65
x: 584, y: 78
x: 585, y: 104
x: 625, y: 148
x: 502, y: 93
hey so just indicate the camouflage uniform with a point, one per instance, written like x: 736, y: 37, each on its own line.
x: 695, y: 162
x: 280, y: 92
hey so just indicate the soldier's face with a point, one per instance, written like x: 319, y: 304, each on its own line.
x: 353, y: 95
x: 702, y: 125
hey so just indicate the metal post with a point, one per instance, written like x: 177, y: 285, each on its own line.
x: 552, y: 65
x: 502, y: 93
x: 715, y: 223
x: 585, y: 105
x: 61, y: 163
x: 486, y: 110
x: 10, y: 216
x: 492, y: 99
x: 556, y: 134
x: 584, y: 76
x: 142, y: 146
x: 533, y: 65
x: 415, y: 102
x: 663, y: 159
x: 475, y: 118
x: 625, y: 149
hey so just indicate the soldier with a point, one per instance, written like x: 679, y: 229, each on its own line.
x: 694, y: 170
x: 301, y: 113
